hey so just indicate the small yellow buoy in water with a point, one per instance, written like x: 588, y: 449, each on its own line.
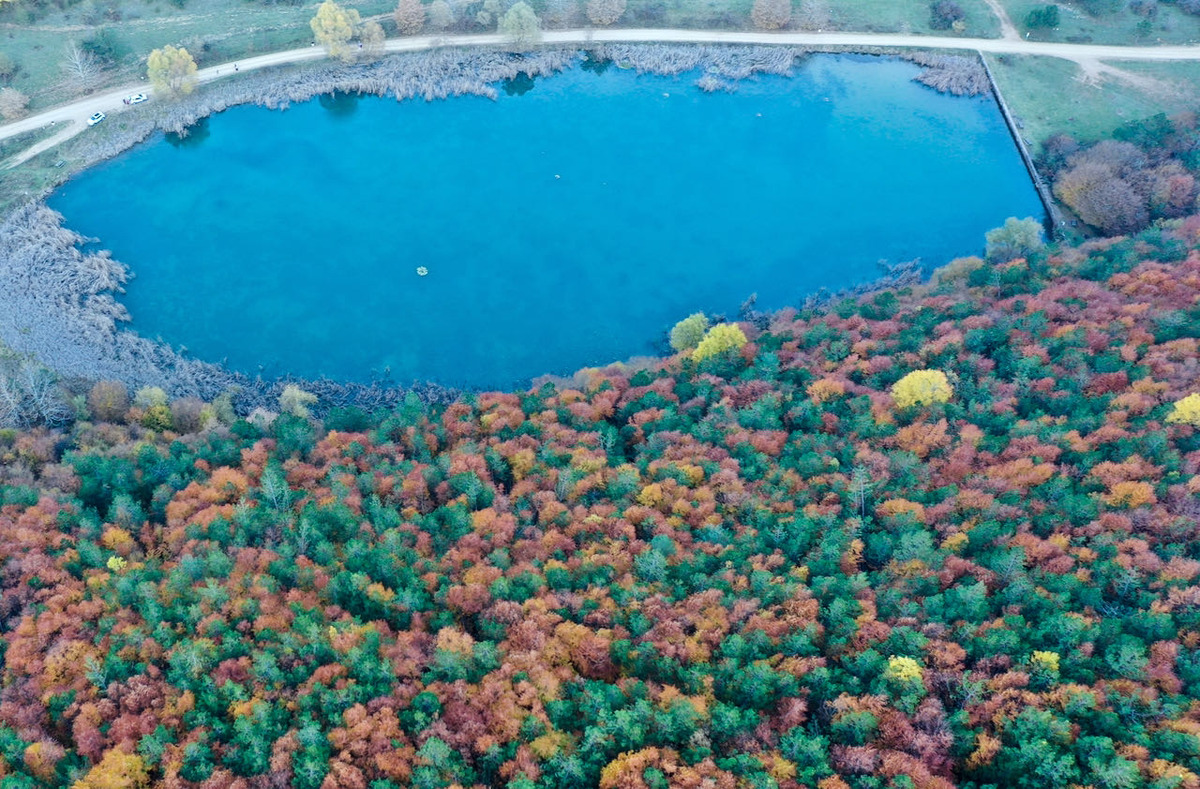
x: 422, y: 271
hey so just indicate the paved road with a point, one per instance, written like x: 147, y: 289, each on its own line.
x: 76, y: 113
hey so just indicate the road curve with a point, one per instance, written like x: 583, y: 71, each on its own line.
x: 76, y: 113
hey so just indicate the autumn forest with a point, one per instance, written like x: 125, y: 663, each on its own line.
x: 931, y: 537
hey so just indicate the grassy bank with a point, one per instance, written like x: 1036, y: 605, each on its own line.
x: 1049, y: 95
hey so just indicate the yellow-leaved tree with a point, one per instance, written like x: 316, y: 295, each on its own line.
x: 295, y: 401
x: 1186, y: 411
x: 922, y: 387
x: 720, y: 338
x: 1044, y: 661
x: 688, y: 333
x: 333, y: 27
x: 903, y: 670
x: 117, y: 770
x: 172, y: 71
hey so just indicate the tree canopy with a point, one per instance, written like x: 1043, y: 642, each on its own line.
x: 334, y: 27
x: 760, y: 568
x: 172, y: 71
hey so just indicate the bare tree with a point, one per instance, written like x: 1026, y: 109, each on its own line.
x: 860, y: 482
x: 81, y: 66
x: 409, y: 16
x: 13, y: 104
x: 605, y: 12
x: 30, y: 395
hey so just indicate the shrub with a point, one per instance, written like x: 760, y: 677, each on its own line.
x: 108, y: 401
x: 771, y: 14
x: 922, y: 387
x: 944, y: 13
x: 688, y: 333
x: 106, y: 47
x: 1186, y: 411
x: 1039, y: 18
x: 605, y: 12
x: 720, y: 338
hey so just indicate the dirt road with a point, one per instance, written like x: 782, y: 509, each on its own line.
x: 76, y: 113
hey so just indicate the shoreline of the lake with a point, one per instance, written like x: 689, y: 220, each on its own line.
x: 78, y: 329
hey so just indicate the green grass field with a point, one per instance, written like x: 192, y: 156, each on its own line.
x: 1048, y: 95
x: 909, y: 16
x: 1169, y: 25
x: 880, y: 16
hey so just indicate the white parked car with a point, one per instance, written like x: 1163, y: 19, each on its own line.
x: 99, y: 116
x: 137, y: 98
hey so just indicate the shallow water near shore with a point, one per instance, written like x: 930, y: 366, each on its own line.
x: 563, y: 225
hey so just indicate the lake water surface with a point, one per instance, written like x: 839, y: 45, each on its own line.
x: 564, y: 227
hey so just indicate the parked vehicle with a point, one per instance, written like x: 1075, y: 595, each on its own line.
x: 137, y: 98
x: 99, y: 116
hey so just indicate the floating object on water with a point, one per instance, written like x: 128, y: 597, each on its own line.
x: 758, y: 115
x: 422, y: 271
x: 666, y: 95
x: 557, y: 176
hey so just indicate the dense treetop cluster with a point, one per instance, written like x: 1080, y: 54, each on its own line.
x: 788, y: 563
x: 1146, y: 172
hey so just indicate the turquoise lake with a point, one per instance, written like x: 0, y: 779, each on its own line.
x: 564, y: 227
